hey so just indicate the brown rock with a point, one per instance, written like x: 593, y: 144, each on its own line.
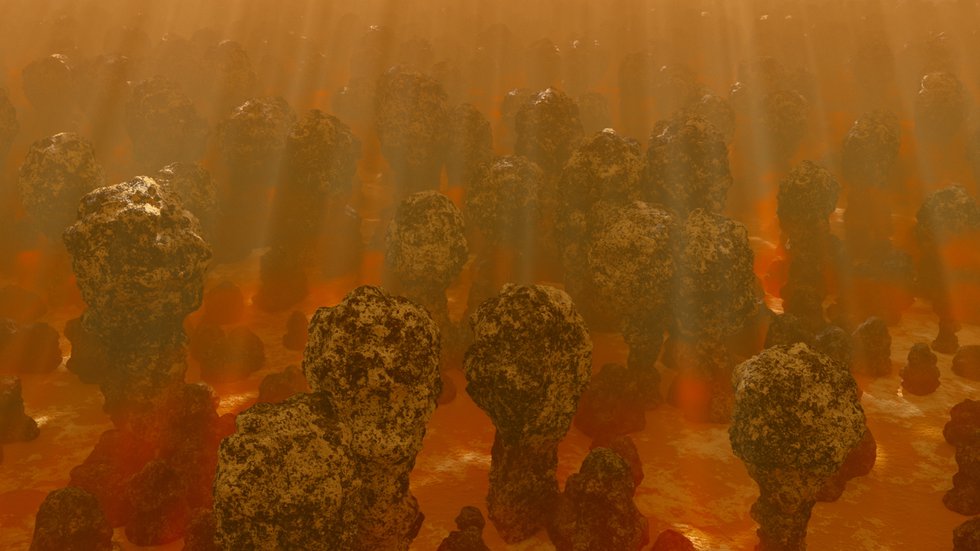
x: 70, y: 519
x: 966, y: 362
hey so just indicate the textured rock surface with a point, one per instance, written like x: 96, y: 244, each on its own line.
x: 858, y: 463
x: 376, y: 359
x: 70, y: 519
x: 784, y: 115
x: 527, y: 368
x: 425, y: 250
x: 920, y: 376
x: 548, y: 129
x: 164, y: 125
x: 870, y: 149
x: 502, y: 202
x: 253, y: 137
x: 285, y: 478
x: 138, y: 257
x: 412, y: 120
x: 631, y: 265
x: 940, y: 106
x: 796, y: 419
x: 687, y: 166
x: 715, y: 291
x: 58, y: 171
x: 807, y: 196
x: 596, y: 510
x: 964, y: 423
x: 602, y: 174
x: 139, y: 261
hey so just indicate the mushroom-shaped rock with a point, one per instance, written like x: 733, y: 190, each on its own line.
x: 412, y: 121
x: 15, y: 425
x: 796, y: 419
x: 872, y: 348
x: 138, y: 258
x: 321, y: 155
x: 548, y: 130
x: 604, y: 170
x: 940, y: 106
x: 604, y: 167
x: 596, y: 510
x: 947, y: 217
x: 966, y: 362
x: 164, y: 125
x: 470, y: 145
x: 468, y: 535
x: 527, y: 368
x: 320, y: 161
x: 234, y: 80
x: 253, y: 137
x: 285, y: 478
x: 425, y: 250
x: 716, y: 284
x: 687, y: 166
x: 58, y: 171
x: 139, y: 262
x: 631, y: 262
x: 920, y: 376
x: 964, y: 423
x: 376, y: 357
x: 784, y: 115
x: 870, y: 149
x: 70, y: 519
x: 807, y: 196
x: 502, y: 203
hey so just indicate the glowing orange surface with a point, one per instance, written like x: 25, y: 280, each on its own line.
x: 693, y: 482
